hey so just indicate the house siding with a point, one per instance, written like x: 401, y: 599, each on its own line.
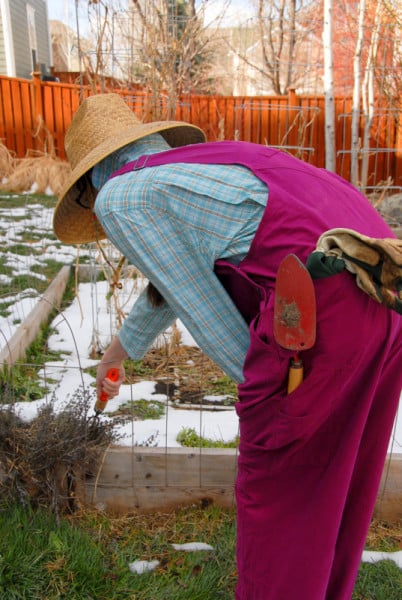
x: 3, y: 65
x: 22, y: 50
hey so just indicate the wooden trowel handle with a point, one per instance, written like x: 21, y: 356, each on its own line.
x: 295, y: 373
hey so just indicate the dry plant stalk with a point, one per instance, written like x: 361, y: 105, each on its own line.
x: 45, y: 138
x: 7, y: 161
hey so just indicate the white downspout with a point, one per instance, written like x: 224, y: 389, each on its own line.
x: 8, y: 38
x: 49, y: 38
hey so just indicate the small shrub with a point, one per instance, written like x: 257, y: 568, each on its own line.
x: 47, y: 460
x: 141, y: 410
x: 19, y: 384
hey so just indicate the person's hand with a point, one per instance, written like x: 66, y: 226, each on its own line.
x: 113, y: 358
x: 106, y: 385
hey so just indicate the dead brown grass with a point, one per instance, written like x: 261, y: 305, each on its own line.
x: 40, y: 173
x: 384, y: 535
x: 7, y: 161
x: 182, y: 372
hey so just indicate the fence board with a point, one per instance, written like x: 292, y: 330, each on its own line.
x: 27, y: 110
x: 18, y: 120
x: 7, y: 99
x: 2, y: 115
x: 51, y: 98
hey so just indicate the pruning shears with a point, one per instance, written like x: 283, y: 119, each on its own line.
x: 100, y: 405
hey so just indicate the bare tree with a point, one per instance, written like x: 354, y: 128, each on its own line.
x: 63, y: 39
x: 94, y: 62
x: 161, y: 46
x: 357, y: 62
x: 391, y: 86
x: 279, y: 28
x: 330, y: 157
x: 368, y: 93
x: 176, y: 51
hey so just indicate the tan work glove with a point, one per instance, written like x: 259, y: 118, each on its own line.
x: 377, y: 263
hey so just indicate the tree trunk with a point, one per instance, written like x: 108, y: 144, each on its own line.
x: 355, y: 150
x: 330, y: 150
x: 368, y: 95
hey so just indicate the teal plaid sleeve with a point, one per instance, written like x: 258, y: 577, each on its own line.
x: 173, y: 222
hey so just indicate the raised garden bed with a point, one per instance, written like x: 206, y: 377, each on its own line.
x: 149, y: 478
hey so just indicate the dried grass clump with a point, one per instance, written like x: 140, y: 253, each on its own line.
x: 41, y: 173
x: 45, y: 462
x: 387, y: 536
x: 7, y: 161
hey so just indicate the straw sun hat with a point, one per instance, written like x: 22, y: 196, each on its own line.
x: 103, y: 124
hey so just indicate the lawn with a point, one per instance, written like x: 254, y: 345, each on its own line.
x: 87, y: 556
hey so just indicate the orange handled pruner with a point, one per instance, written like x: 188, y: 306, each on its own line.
x: 113, y: 375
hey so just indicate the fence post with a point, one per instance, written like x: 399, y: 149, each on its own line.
x: 37, y: 102
x: 398, y: 157
x: 293, y: 121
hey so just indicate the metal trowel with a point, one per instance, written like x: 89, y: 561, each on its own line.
x: 294, y: 314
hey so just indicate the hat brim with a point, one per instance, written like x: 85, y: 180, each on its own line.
x: 74, y: 224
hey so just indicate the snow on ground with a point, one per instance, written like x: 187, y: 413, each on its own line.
x: 89, y: 317
x: 139, y: 567
x: 371, y: 556
x: 75, y: 333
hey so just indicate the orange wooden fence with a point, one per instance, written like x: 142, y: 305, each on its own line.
x: 34, y: 116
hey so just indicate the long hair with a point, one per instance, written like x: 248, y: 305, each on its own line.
x: 155, y: 298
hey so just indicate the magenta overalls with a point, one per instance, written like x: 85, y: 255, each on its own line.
x: 310, y: 462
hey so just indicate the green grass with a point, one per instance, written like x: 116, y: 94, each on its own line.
x: 137, y: 367
x: 13, y: 200
x: 189, y: 437
x: 86, y: 557
x: 222, y: 386
x: 21, y: 383
x: 23, y: 249
x: 20, y: 283
x: 380, y: 581
x: 31, y: 236
x: 49, y: 268
x: 142, y: 409
x: 4, y: 308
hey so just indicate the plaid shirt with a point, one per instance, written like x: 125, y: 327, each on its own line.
x: 173, y: 222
